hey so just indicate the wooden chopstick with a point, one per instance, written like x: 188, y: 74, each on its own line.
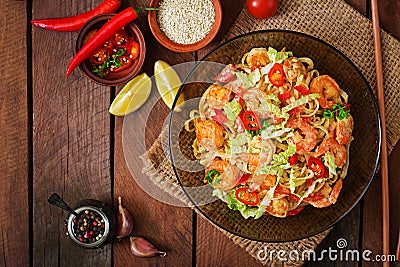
x: 384, y: 154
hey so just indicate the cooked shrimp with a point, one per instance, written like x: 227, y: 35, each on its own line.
x: 218, y: 164
x: 305, y: 138
x: 261, y: 181
x: 257, y: 57
x: 328, y: 90
x: 209, y: 130
x: 218, y: 96
x: 293, y: 68
x: 229, y: 174
x: 344, y: 130
x: 331, y: 145
x: 330, y: 195
x: 278, y: 207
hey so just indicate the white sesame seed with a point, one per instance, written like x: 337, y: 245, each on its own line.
x: 185, y: 21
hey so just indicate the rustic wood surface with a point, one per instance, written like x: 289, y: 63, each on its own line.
x: 57, y: 136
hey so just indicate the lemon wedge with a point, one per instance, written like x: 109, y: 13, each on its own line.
x: 132, y: 96
x: 168, y: 83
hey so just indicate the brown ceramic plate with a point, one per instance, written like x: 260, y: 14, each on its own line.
x: 364, y: 150
x: 166, y: 42
x: 117, y: 78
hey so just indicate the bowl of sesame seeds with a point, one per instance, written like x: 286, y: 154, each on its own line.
x: 185, y: 25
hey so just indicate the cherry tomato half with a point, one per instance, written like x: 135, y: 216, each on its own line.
x: 262, y: 9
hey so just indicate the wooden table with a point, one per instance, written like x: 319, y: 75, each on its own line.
x: 57, y: 136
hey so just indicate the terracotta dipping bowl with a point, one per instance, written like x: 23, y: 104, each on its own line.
x: 117, y: 78
x: 166, y: 42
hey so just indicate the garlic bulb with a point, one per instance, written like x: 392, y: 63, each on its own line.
x: 124, y: 221
x: 142, y: 248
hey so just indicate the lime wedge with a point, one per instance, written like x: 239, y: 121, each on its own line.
x: 132, y: 96
x: 168, y: 83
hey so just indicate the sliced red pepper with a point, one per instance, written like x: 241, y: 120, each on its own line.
x: 295, y: 211
x: 246, y: 196
x: 293, y: 159
x: 243, y: 179
x: 125, y: 61
x: 134, y: 50
x: 303, y: 90
x: 316, y: 166
x: 250, y: 121
x: 219, y: 117
x: 347, y: 106
x: 100, y: 56
x: 276, y: 76
x: 284, y: 96
x: 121, y: 39
x: 226, y: 74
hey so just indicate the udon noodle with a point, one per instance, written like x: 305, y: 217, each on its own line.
x: 273, y: 135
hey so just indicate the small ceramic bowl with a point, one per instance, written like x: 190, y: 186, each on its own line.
x: 166, y: 42
x: 113, y: 78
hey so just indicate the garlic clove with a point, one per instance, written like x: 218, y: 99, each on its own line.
x: 142, y: 248
x: 124, y: 221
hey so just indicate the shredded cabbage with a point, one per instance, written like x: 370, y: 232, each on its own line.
x: 234, y: 204
x: 249, y: 79
x: 232, y: 110
x: 275, y: 56
x: 330, y: 162
x: 265, y: 106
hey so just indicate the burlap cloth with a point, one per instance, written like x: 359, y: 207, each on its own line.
x: 337, y: 23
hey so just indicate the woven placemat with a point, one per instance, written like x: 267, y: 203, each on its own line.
x: 337, y: 23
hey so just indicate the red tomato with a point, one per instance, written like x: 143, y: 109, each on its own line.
x: 262, y: 9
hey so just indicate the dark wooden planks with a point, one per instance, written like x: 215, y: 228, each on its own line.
x: 14, y: 153
x: 71, y: 140
x: 166, y: 226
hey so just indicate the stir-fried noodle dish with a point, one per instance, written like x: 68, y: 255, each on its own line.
x: 273, y: 135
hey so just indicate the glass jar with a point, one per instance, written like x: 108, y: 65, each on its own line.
x: 94, y: 226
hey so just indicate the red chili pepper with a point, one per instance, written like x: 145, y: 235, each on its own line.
x: 103, y: 35
x: 293, y: 159
x: 347, y: 106
x: 243, y: 179
x: 250, y: 120
x: 295, y: 211
x: 246, y: 196
x: 100, y: 56
x: 75, y: 23
x: 284, y: 96
x: 125, y: 61
x: 134, y: 50
x: 121, y: 39
x: 276, y: 76
x: 302, y: 89
x: 226, y: 74
x: 316, y: 166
